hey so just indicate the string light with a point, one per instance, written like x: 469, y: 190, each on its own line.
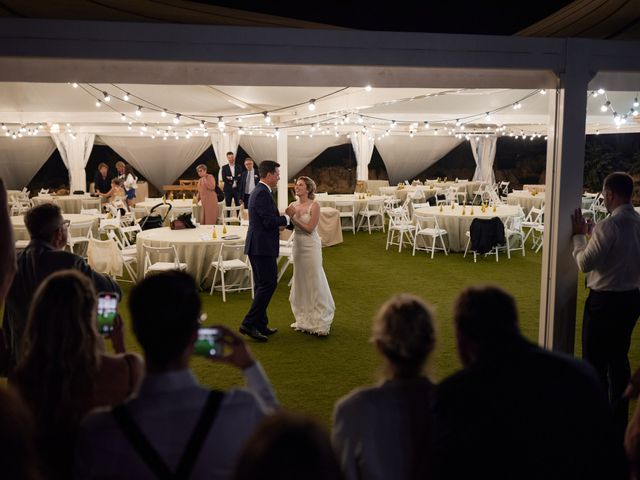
x: 601, y: 91
x: 138, y: 111
x: 126, y: 97
x: 368, y: 88
x: 163, y: 113
x: 220, y: 124
x: 426, y: 125
x: 543, y: 92
x: 123, y: 117
x: 107, y: 97
x: 487, y: 117
x: 605, y: 106
x: 98, y: 103
x: 312, y: 105
x: 74, y: 85
x: 635, y: 102
x: 176, y: 119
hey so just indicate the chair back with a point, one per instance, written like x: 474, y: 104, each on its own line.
x: 104, y: 256
x: 426, y: 221
x: 160, y: 254
x: 232, y: 251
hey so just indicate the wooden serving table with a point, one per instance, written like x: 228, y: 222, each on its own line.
x: 180, y: 188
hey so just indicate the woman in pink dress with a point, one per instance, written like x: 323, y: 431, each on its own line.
x: 207, y: 195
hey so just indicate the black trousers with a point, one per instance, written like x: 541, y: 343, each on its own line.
x: 265, y: 281
x: 234, y: 195
x: 609, y: 319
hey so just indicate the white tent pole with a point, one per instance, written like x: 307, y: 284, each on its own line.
x: 363, y: 148
x: 281, y: 158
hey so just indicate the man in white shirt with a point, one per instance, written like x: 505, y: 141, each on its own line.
x: 611, y: 261
x: 231, y: 174
x: 174, y: 428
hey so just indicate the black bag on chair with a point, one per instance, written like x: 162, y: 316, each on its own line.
x: 154, y: 220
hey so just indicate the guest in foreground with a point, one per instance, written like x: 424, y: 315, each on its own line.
x: 43, y: 256
x: 207, y: 195
x: 101, y: 180
x: 262, y: 245
x: 610, y: 260
x: 7, y: 246
x: 516, y: 410
x: 64, y: 372
x: 17, y: 439
x: 288, y: 447
x: 191, y: 432
x: 385, y: 431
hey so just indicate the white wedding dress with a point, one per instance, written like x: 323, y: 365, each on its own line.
x: 311, y: 301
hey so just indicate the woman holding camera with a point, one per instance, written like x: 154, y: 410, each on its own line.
x: 64, y: 372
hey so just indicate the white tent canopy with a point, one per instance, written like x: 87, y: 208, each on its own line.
x: 20, y: 161
x: 387, y: 116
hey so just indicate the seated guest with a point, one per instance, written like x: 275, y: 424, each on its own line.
x: 191, y: 431
x: 516, y: 410
x: 288, y: 447
x: 63, y: 371
x: 384, y: 431
x: 116, y: 196
x: 44, y: 255
x: 101, y: 180
x: 17, y: 441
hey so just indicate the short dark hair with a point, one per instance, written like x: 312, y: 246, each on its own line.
x: 100, y: 165
x: 230, y: 153
x: 165, y: 309
x: 43, y: 220
x: 620, y: 183
x: 266, y: 167
x: 486, y: 314
x: 249, y: 159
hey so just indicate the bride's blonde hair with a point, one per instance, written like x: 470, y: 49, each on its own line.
x: 311, y: 187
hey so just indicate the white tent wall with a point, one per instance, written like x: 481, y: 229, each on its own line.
x: 21, y: 159
x: 160, y: 161
x: 405, y: 157
x: 363, y: 148
x: 300, y: 151
x: 484, y: 153
x: 75, y: 151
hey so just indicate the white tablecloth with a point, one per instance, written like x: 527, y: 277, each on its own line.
x: 401, y: 194
x: 20, y: 232
x: 456, y: 224
x: 353, y: 199
x: 539, y: 188
x: 196, y: 246
x: 525, y: 199
x: 69, y: 203
x: 469, y: 187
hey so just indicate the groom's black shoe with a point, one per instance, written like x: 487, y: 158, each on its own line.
x: 268, y: 331
x: 254, y: 333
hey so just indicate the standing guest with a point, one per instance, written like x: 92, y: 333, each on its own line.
x: 130, y: 185
x: 248, y: 181
x: 101, y: 180
x: 63, y: 371
x: 7, y: 247
x: 43, y: 256
x: 182, y: 430
x: 610, y: 260
x: 516, y: 410
x: 231, y: 175
x: 262, y: 245
x: 120, y: 167
x: 288, y: 447
x: 207, y: 195
x: 385, y: 431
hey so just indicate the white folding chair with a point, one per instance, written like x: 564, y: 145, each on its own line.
x: 400, y: 225
x: 513, y: 233
x: 494, y: 249
x: 161, y: 253
x: 231, y: 214
x: 373, y: 209
x: 231, y: 259
x: 286, y: 252
x: 129, y: 254
x: 21, y: 232
x: 532, y: 221
x: 79, y: 233
x: 347, y: 210
x: 103, y: 256
x: 427, y: 226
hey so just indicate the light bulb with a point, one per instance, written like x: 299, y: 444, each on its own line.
x: 635, y: 102
x: 74, y: 84
x: 220, y: 123
x: 312, y: 105
x: 176, y: 119
x: 601, y: 91
x: 123, y: 117
x: 4, y: 127
x: 202, y: 124
x: 543, y: 92
x: 458, y: 123
x: 605, y: 106
x: 107, y: 97
x: 126, y: 97
x: 368, y: 88
x: 98, y: 103
x: 138, y: 111
x: 487, y: 117
x: 426, y: 124
x: 163, y: 113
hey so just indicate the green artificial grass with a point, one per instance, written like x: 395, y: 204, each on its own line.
x: 310, y: 373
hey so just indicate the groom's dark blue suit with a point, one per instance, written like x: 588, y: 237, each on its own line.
x: 263, y: 247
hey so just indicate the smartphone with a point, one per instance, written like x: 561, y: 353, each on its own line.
x: 208, y: 343
x: 107, y: 311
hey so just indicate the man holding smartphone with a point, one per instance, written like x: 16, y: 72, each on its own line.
x: 175, y: 427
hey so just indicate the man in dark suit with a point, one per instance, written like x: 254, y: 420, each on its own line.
x: 248, y: 181
x: 231, y: 175
x: 516, y: 410
x: 263, y: 245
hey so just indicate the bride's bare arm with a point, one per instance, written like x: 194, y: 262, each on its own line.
x: 313, y: 221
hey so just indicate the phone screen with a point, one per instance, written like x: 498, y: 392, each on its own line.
x: 107, y: 311
x: 208, y: 343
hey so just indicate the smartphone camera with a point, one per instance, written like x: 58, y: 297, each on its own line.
x: 107, y: 311
x: 208, y: 343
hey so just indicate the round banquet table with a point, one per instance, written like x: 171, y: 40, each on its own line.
x: 539, y: 188
x: 401, y: 194
x: 457, y: 225
x: 525, y: 199
x: 69, y: 203
x: 20, y: 231
x: 469, y: 186
x: 196, y: 246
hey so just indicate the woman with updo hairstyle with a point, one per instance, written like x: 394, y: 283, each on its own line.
x: 310, y: 296
x: 385, y: 431
x: 64, y: 372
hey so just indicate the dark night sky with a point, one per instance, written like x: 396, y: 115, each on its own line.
x: 477, y: 17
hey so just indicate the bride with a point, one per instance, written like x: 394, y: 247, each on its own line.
x: 310, y: 297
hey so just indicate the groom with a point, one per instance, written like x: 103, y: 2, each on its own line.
x: 262, y: 246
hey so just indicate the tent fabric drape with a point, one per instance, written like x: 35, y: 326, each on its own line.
x: 406, y: 157
x: 223, y: 143
x: 300, y: 151
x: 363, y: 148
x: 21, y: 159
x: 160, y: 161
x: 484, y: 153
x: 75, y: 153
